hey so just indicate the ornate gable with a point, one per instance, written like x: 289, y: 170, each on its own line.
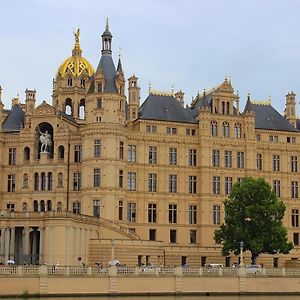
x: 44, y: 109
x: 226, y: 87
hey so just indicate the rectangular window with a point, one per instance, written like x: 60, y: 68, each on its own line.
x: 276, y: 187
x: 77, y: 181
x: 97, y: 177
x: 131, y: 212
x: 296, y: 238
x: 216, y: 158
x: 259, y: 161
x: 192, y: 184
x: 121, y: 150
x: 12, y: 156
x: 171, y: 130
x: 151, y: 128
x: 192, y: 214
x: 131, y: 181
x: 216, y: 184
x: 193, y: 236
x: 172, y: 213
x: 172, y: 156
x: 276, y: 163
x: 77, y: 153
x: 120, y: 212
x: 291, y: 140
x: 192, y: 157
x: 173, y: 236
x: 216, y: 214
x: 132, y: 153
x: 151, y: 182
x: 152, y: 155
x: 295, y: 218
x: 76, y: 207
x: 121, y: 179
x: 172, y: 183
x: 294, y: 163
x: 11, y: 183
x: 10, y: 207
x: 189, y: 131
x: 97, y: 148
x: 99, y: 103
x: 294, y: 189
x: 152, y: 213
x: 152, y: 234
x: 273, y: 138
x: 240, y: 160
x: 258, y: 137
x: 228, y: 159
x: 96, y: 208
x: 228, y: 185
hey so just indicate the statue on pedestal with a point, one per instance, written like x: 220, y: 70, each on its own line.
x: 45, y: 139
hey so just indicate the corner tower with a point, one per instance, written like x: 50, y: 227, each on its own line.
x: 290, y: 108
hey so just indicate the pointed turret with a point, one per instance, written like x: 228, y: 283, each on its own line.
x: 106, y: 40
x: 248, y: 107
x: 119, y: 67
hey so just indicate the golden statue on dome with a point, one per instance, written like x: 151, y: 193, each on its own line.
x: 77, y: 34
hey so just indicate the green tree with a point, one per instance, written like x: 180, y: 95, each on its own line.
x: 253, y: 215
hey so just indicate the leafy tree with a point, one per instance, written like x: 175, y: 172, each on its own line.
x: 253, y: 215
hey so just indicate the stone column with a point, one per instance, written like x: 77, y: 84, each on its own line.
x: 34, y: 247
x: 12, y: 244
x: 82, y: 245
x: 26, y: 244
x: 6, y: 251
x: 2, y: 244
x: 41, y: 246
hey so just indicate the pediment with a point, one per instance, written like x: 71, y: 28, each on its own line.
x: 44, y: 109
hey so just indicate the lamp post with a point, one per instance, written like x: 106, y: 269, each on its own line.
x: 241, y: 254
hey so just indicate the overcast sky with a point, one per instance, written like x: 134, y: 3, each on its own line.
x: 189, y: 44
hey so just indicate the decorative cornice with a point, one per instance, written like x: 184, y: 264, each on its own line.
x: 262, y: 102
x: 160, y: 93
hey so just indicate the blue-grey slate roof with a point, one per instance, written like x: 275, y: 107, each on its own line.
x: 14, y: 120
x: 165, y: 108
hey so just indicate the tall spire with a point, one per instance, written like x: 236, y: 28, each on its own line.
x: 76, y: 50
x: 106, y: 40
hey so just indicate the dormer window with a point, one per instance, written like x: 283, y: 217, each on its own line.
x: 69, y: 83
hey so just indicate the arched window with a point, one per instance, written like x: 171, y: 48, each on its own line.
x: 50, y: 181
x: 43, y: 181
x: 25, y: 181
x: 238, y: 130
x: 26, y: 154
x: 49, y: 205
x: 42, y: 203
x: 223, y: 107
x: 226, y: 129
x: 81, y: 113
x: 82, y: 82
x: 24, y: 206
x: 99, y: 87
x: 60, y: 180
x: 227, y: 108
x: 214, y: 128
x: 59, y: 206
x: 69, y: 82
x: 36, y: 181
x: 35, y: 205
x: 68, y: 107
x: 61, y: 152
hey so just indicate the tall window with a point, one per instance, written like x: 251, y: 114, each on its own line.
x: 43, y: 181
x: 82, y: 82
x: 228, y: 185
x: 96, y: 208
x: 238, y: 130
x: 216, y: 158
x: 192, y: 214
x: 36, y: 181
x: 49, y: 181
x: 97, y: 148
x: 294, y: 163
x: 151, y: 182
x: 228, y: 159
x: 295, y: 218
x: 276, y: 187
x: 152, y: 234
x: 172, y: 156
x: 226, y: 129
x: 294, y: 189
x: 121, y: 179
x: 193, y: 236
x: 131, y: 212
x: 131, y: 153
x: 25, y: 181
x: 240, y: 160
x: 60, y: 182
x: 12, y: 156
x: 152, y: 213
x: 120, y: 210
x: 77, y: 181
x: 131, y: 181
x: 77, y: 153
x: 76, y: 207
x: 99, y: 103
x: 61, y: 152
x: 97, y: 177
x: 26, y: 155
x: 121, y: 150
x: 192, y: 184
x: 11, y: 183
x: 173, y: 183
x: 152, y: 155
x: 276, y: 162
x: 216, y: 214
x: 69, y: 82
x: 192, y: 157
x: 259, y: 161
x: 214, y: 128
x: 172, y: 213
x: 216, y: 184
x: 173, y: 236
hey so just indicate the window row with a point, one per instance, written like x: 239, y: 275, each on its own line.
x: 192, y: 239
x: 226, y: 131
x: 170, y: 130
x: 240, y: 159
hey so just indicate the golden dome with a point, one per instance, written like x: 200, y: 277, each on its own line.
x: 76, y: 64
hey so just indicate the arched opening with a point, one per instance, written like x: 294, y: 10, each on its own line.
x: 238, y: 130
x: 42, y: 203
x: 49, y: 205
x: 50, y: 181
x: 214, y: 128
x: 81, y: 113
x: 82, y: 82
x: 69, y: 82
x: 227, y: 108
x: 226, y: 129
x: 68, y: 107
x: 60, y: 180
x: 35, y: 205
x: 26, y: 154
x: 61, y: 152
x: 36, y: 181
x: 43, y: 181
x: 24, y: 206
x: 44, y: 133
x: 25, y: 181
x: 59, y: 206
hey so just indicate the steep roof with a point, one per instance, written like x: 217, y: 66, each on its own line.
x: 165, y: 108
x: 15, y: 119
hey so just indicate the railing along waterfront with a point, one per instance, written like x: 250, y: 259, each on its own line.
x: 55, y: 270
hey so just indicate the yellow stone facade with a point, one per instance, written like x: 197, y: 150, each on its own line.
x: 88, y: 179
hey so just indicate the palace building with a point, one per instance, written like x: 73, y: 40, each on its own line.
x: 96, y: 175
